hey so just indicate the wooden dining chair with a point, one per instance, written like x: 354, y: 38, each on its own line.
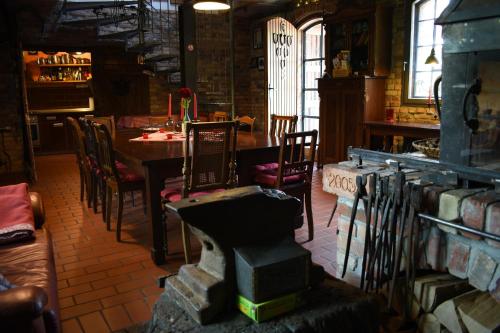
x: 108, y: 121
x: 220, y: 116
x: 117, y: 180
x: 295, y: 169
x: 209, y: 165
x: 246, y: 123
x: 78, y: 138
x: 96, y: 183
x: 282, y: 124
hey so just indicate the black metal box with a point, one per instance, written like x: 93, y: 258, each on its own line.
x: 267, y: 271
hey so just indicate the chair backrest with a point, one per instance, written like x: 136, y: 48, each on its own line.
x: 108, y: 121
x: 246, y: 122
x: 90, y: 141
x: 212, y: 162
x: 78, y: 139
x: 220, y: 116
x: 105, y: 151
x: 282, y: 124
x: 297, y: 154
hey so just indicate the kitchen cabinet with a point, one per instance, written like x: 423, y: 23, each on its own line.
x: 55, y: 133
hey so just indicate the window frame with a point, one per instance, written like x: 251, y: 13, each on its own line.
x: 303, y: 89
x: 410, y: 37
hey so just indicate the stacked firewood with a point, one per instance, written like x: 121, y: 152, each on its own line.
x: 443, y: 303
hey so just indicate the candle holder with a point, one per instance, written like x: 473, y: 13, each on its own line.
x: 169, y: 124
x: 178, y: 126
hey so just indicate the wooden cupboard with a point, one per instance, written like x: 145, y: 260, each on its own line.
x: 364, y: 34
x: 345, y: 104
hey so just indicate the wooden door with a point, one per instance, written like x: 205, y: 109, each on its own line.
x: 281, y: 67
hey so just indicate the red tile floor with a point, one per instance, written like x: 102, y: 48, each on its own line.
x: 106, y: 286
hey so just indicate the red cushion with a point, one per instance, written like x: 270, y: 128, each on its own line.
x: 16, y: 222
x: 127, y: 176
x: 255, y: 169
x: 174, y: 194
x: 269, y: 177
x: 119, y: 165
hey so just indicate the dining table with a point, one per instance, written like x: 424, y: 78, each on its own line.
x: 159, y: 161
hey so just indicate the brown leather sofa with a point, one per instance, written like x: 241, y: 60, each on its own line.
x: 31, y: 306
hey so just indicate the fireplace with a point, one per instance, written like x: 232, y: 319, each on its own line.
x: 470, y: 124
x: 422, y: 232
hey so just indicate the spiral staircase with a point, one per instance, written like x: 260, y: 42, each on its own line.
x: 148, y: 28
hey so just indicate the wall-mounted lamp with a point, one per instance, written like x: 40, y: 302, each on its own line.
x: 211, y: 5
x: 431, y: 59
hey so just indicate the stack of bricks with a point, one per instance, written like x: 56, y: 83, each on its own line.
x: 441, y: 248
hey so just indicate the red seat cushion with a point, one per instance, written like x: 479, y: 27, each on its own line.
x: 269, y: 177
x: 174, y: 194
x: 255, y: 169
x: 127, y: 175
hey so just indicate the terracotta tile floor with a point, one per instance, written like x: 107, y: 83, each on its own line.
x: 106, y: 286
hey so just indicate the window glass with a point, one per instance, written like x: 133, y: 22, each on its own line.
x: 425, y: 37
x: 312, y: 69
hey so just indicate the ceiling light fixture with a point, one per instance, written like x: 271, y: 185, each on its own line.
x: 431, y: 59
x: 211, y: 5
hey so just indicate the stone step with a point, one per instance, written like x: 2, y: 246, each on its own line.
x: 79, y: 5
x: 145, y: 47
x: 159, y: 57
x: 88, y: 18
x: 120, y: 35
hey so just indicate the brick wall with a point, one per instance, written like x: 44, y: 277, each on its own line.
x: 394, y: 84
x: 11, y: 114
x: 159, y: 88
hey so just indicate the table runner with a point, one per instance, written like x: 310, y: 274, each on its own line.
x: 161, y: 137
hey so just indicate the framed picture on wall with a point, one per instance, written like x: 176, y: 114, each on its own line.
x: 260, y: 63
x: 257, y: 38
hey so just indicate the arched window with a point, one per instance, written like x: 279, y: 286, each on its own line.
x: 424, y: 37
x: 313, y: 65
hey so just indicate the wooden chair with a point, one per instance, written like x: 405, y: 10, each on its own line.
x: 96, y: 183
x: 209, y: 165
x: 246, y: 123
x: 295, y: 169
x: 81, y: 158
x: 108, y: 121
x: 282, y: 124
x: 117, y: 179
x: 220, y: 116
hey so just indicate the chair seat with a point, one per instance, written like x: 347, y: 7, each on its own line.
x: 269, y: 177
x: 173, y: 194
x: 128, y: 176
x: 255, y: 169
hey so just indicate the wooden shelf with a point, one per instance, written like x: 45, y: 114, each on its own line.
x: 65, y: 65
x: 54, y: 83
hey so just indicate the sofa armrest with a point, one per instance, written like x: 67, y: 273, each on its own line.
x: 38, y: 209
x: 22, y: 304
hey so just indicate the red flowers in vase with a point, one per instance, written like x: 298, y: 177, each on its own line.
x: 186, y: 94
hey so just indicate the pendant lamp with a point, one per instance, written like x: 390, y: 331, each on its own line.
x: 210, y: 5
x: 431, y: 59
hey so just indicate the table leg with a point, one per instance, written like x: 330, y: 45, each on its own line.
x: 157, y: 236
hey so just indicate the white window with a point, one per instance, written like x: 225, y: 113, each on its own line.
x: 313, y: 65
x: 425, y: 36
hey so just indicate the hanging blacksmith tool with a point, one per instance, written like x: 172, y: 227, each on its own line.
x: 399, y: 251
x: 360, y: 193
x: 368, y: 204
x: 378, y: 203
x: 386, y: 204
x: 395, y: 212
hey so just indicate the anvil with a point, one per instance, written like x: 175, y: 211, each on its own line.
x: 222, y: 221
